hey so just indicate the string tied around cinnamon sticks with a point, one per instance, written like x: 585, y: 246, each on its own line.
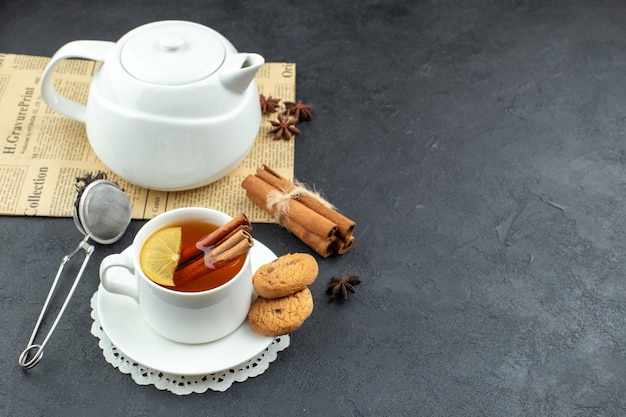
x: 303, y: 212
x: 278, y: 200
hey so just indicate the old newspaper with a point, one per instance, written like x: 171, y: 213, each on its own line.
x: 42, y: 152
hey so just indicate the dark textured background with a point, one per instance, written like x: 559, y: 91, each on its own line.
x: 479, y: 146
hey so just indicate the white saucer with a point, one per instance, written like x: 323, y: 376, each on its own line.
x: 124, y: 325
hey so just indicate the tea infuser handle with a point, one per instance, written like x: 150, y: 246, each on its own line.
x: 34, y: 352
x: 93, y: 50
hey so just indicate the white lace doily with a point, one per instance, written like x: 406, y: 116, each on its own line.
x: 181, y: 384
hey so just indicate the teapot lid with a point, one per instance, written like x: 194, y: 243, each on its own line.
x: 172, y: 52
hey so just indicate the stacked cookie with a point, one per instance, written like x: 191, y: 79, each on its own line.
x: 285, y: 300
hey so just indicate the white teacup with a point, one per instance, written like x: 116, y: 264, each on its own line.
x: 185, y: 317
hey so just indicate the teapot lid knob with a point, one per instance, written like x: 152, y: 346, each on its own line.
x: 172, y: 41
x: 171, y: 52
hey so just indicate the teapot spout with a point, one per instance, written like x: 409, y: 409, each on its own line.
x: 239, y: 78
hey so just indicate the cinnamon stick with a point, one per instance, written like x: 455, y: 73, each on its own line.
x: 191, y: 253
x: 321, y: 245
x: 343, y: 246
x: 227, y: 251
x: 232, y: 248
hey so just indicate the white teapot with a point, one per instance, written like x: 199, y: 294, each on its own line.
x: 173, y: 106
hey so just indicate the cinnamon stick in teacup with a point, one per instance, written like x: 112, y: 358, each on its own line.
x: 304, y: 213
x: 193, y: 252
x: 224, y: 252
x: 236, y: 245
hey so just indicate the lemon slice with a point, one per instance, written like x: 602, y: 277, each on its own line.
x: 159, y: 255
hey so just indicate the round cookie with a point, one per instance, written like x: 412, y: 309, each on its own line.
x: 285, y: 275
x: 279, y: 316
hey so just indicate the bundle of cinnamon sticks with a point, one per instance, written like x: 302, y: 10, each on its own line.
x: 304, y: 213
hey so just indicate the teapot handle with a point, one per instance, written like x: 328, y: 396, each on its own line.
x: 93, y: 50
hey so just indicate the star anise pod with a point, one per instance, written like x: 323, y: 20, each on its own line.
x: 269, y: 104
x: 284, y: 127
x: 300, y: 111
x: 342, y: 285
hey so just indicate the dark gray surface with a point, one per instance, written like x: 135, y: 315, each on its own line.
x: 480, y: 147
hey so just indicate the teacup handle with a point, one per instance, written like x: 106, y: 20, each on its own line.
x: 124, y: 283
x: 93, y: 50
